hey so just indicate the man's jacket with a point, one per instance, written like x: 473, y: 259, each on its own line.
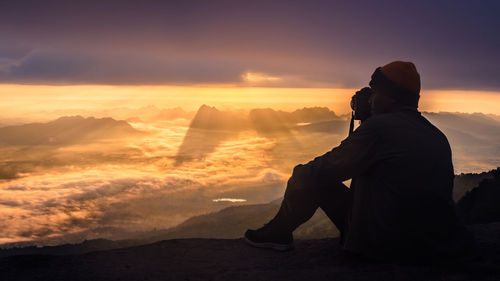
x: 402, y: 180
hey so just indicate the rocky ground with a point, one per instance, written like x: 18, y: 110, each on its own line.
x: 232, y: 259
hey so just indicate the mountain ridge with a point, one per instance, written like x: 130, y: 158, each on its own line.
x: 66, y: 130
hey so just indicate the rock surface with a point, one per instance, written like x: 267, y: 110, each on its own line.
x: 232, y: 259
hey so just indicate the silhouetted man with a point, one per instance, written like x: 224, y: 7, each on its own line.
x: 400, y: 202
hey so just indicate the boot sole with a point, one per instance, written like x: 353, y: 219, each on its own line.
x: 270, y: 245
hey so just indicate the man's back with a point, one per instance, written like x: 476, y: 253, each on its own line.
x: 402, y: 201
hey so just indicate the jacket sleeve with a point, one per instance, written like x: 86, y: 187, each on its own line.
x: 352, y: 157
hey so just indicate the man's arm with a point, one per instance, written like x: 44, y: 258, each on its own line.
x: 352, y: 157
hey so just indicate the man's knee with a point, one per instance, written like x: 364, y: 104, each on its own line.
x: 302, y: 172
x: 300, y: 179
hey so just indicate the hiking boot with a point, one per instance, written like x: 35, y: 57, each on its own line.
x: 269, y: 238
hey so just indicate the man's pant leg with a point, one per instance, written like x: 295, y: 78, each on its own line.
x: 304, y: 194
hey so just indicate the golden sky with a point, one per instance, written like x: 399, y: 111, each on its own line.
x: 25, y: 99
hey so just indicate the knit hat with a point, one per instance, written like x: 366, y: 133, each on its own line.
x: 400, y: 80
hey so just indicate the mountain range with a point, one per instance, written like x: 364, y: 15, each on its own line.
x: 66, y: 130
x: 474, y: 138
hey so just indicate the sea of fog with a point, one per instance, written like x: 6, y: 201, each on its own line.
x: 97, y: 186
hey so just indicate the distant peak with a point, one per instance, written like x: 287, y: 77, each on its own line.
x: 75, y: 117
x: 207, y: 107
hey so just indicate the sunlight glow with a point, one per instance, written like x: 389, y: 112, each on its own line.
x: 232, y: 200
x: 39, y: 100
x: 259, y: 77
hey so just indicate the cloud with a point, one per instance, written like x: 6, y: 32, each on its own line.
x: 232, y: 200
x: 97, y: 198
x: 65, y: 205
x: 283, y: 43
x: 113, y: 191
x: 83, y: 67
x: 259, y: 77
x: 8, y: 171
x: 10, y: 203
x: 272, y: 176
x: 211, y: 127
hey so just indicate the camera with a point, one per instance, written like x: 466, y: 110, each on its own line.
x: 360, y: 104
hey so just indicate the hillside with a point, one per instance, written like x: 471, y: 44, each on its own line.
x: 464, y: 183
x: 232, y: 222
x: 219, y: 259
x: 480, y: 205
x: 66, y: 130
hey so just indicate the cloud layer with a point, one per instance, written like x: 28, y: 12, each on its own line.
x: 117, y: 188
x: 299, y: 43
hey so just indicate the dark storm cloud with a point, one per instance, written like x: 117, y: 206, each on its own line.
x: 453, y: 43
x: 83, y: 67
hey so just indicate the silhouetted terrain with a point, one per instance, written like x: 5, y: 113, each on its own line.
x: 66, y: 130
x: 482, y: 204
x: 466, y: 182
x: 72, y: 249
x: 212, y: 259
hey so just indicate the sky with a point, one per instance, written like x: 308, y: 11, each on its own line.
x: 118, y: 57
x: 328, y: 44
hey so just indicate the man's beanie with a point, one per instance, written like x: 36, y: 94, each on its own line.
x: 400, y: 80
